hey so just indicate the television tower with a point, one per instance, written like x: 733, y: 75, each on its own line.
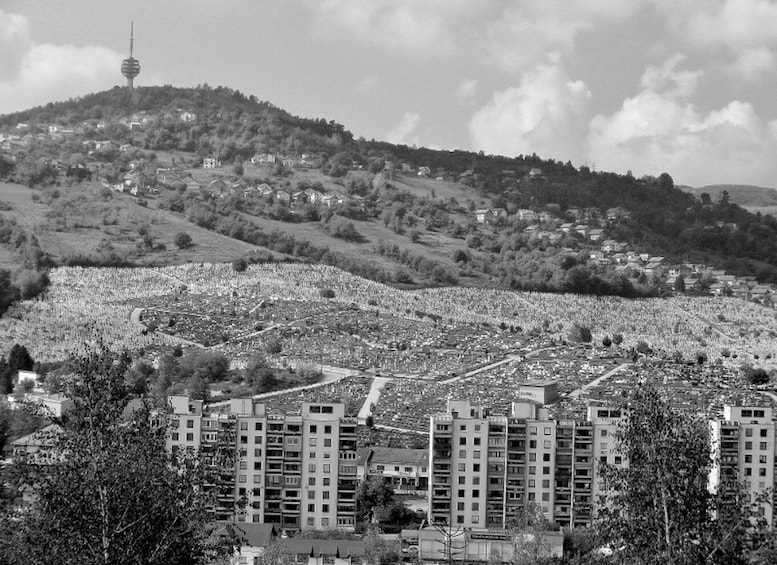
x: 130, y: 67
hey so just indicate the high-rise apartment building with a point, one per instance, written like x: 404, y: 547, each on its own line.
x: 485, y: 469
x: 298, y: 472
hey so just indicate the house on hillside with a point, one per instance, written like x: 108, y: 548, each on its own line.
x: 424, y: 171
x: 263, y: 159
x: 210, y: 163
x: 217, y: 187
x: 596, y: 234
x: 525, y: 215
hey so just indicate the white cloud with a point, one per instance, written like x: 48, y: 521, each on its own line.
x: 40, y: 73
x: 741, y: 32
x: 466, y: 90
x: 401, y: 133
x: 406, y: 25
x: 660, y: 129
x: 546, y: 115
x: 525, y: 32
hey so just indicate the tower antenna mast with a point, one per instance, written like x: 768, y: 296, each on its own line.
x: 130, y: 67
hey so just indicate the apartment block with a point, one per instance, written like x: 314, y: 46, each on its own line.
x: 744, y: 448
x: 294, y: 471
x: 485, y: 469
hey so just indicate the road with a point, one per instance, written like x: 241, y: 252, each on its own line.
x: 578, y: 391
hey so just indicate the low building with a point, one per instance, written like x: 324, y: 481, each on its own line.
x: 467, y: 545
x: 407, y: 469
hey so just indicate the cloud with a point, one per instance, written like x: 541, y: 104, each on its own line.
x: 740, y: 31
x: 39, y: 73
x: 405, y: 25
x: 546, y: 114
x: 525, y: 32
x: 406, y: 126
x: 465, y: 91
x: 660, y: 129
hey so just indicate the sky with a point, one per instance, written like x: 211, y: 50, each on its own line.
x: 686, y: 87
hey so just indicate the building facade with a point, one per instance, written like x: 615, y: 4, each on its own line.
x: 296, y: 472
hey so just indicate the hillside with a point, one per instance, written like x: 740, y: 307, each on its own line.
x: 106, y: 179
x: 753, y: 198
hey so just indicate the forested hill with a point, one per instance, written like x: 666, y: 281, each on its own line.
x: 177, y: 128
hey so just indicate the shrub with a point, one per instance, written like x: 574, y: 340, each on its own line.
x: 183, y: 240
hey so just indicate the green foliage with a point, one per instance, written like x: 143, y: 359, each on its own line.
x: 209, y: 365
x: 183, y: 240
x: 375, y: 491
x: 580, y: 333
x: 116, y: 496
x: 19, y: 359
x: 659, y: 508
x: 239, y: 265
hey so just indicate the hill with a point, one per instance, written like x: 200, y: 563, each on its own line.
x: 113, y: 179
x: 750, y: 197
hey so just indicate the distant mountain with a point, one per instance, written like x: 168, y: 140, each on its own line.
x: 745, y: 195
x: 307, y: 188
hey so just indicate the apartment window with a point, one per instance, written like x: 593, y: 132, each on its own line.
x: 258, y: 439
x: 546, y: 456
x: 175, y: 436
x: 312, y: 468
x: 462, y: 467
x: 463, y: 427
x: 189, y: 424
x: 462, y: 441
x: 532, y: 470
x: 313, y: 429
x: 546, y: 444
x: 327, y: 429
x: 244, y: 439
x: 758, y: 413
x: 312, y: 454
x: 462, y: 453
x: 748, y: 445
x: 258, y: 426
x: 310, y: 521
x: 533, y: 444
x: 311, y: 507
x: 475, y: 519
x: 311, y: 495
x: 618, y: 459
x: 532, y: 456
x: 460, y: 506
x: 546, y: 483
x: 257, y: 479
x: 408, y: 469
x: 476, y: 441
x: 603, y: 433
x: 312, y: 481
x: 533, y: 430
x: 325, y: 521
x: 326, y: 495
x: 312, y: 442
x: 462, y: 480
x: 476, y: 493
x: 762, y: 446
x: 545, y: 496
x: 749, y: 432
x: 476, y: 467
x: 762, y: 459
x: 326, y: 467
x: 459, y: 519
x: 604, y: 446
x: 324, y: 508
x: 242, y: 478
x: 532, y: 496
x: 546, y: 430
x: 762, y: 472
x: 243, y: 464
x: 475, y: 480
x: 189, y: 436
x: 532, y: 483
x: 243, y: 425
x: 748, y: 458
x: 257, y: 465
x: 764, y: 433
x: 748, y: 471
x: 546, y: 470
x: 477, y: 427
x: 461, y: 493
x: 326, y: 481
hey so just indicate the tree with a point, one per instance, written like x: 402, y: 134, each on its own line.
x: 6, y: 377
x: 115, y: 495
x: 580, y: 333
x: 239, y: 265
x: 183, y: 240
x: 19, y: 359
x: 375, y: 491
x: 659, y: 508
x: 679, y: 284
